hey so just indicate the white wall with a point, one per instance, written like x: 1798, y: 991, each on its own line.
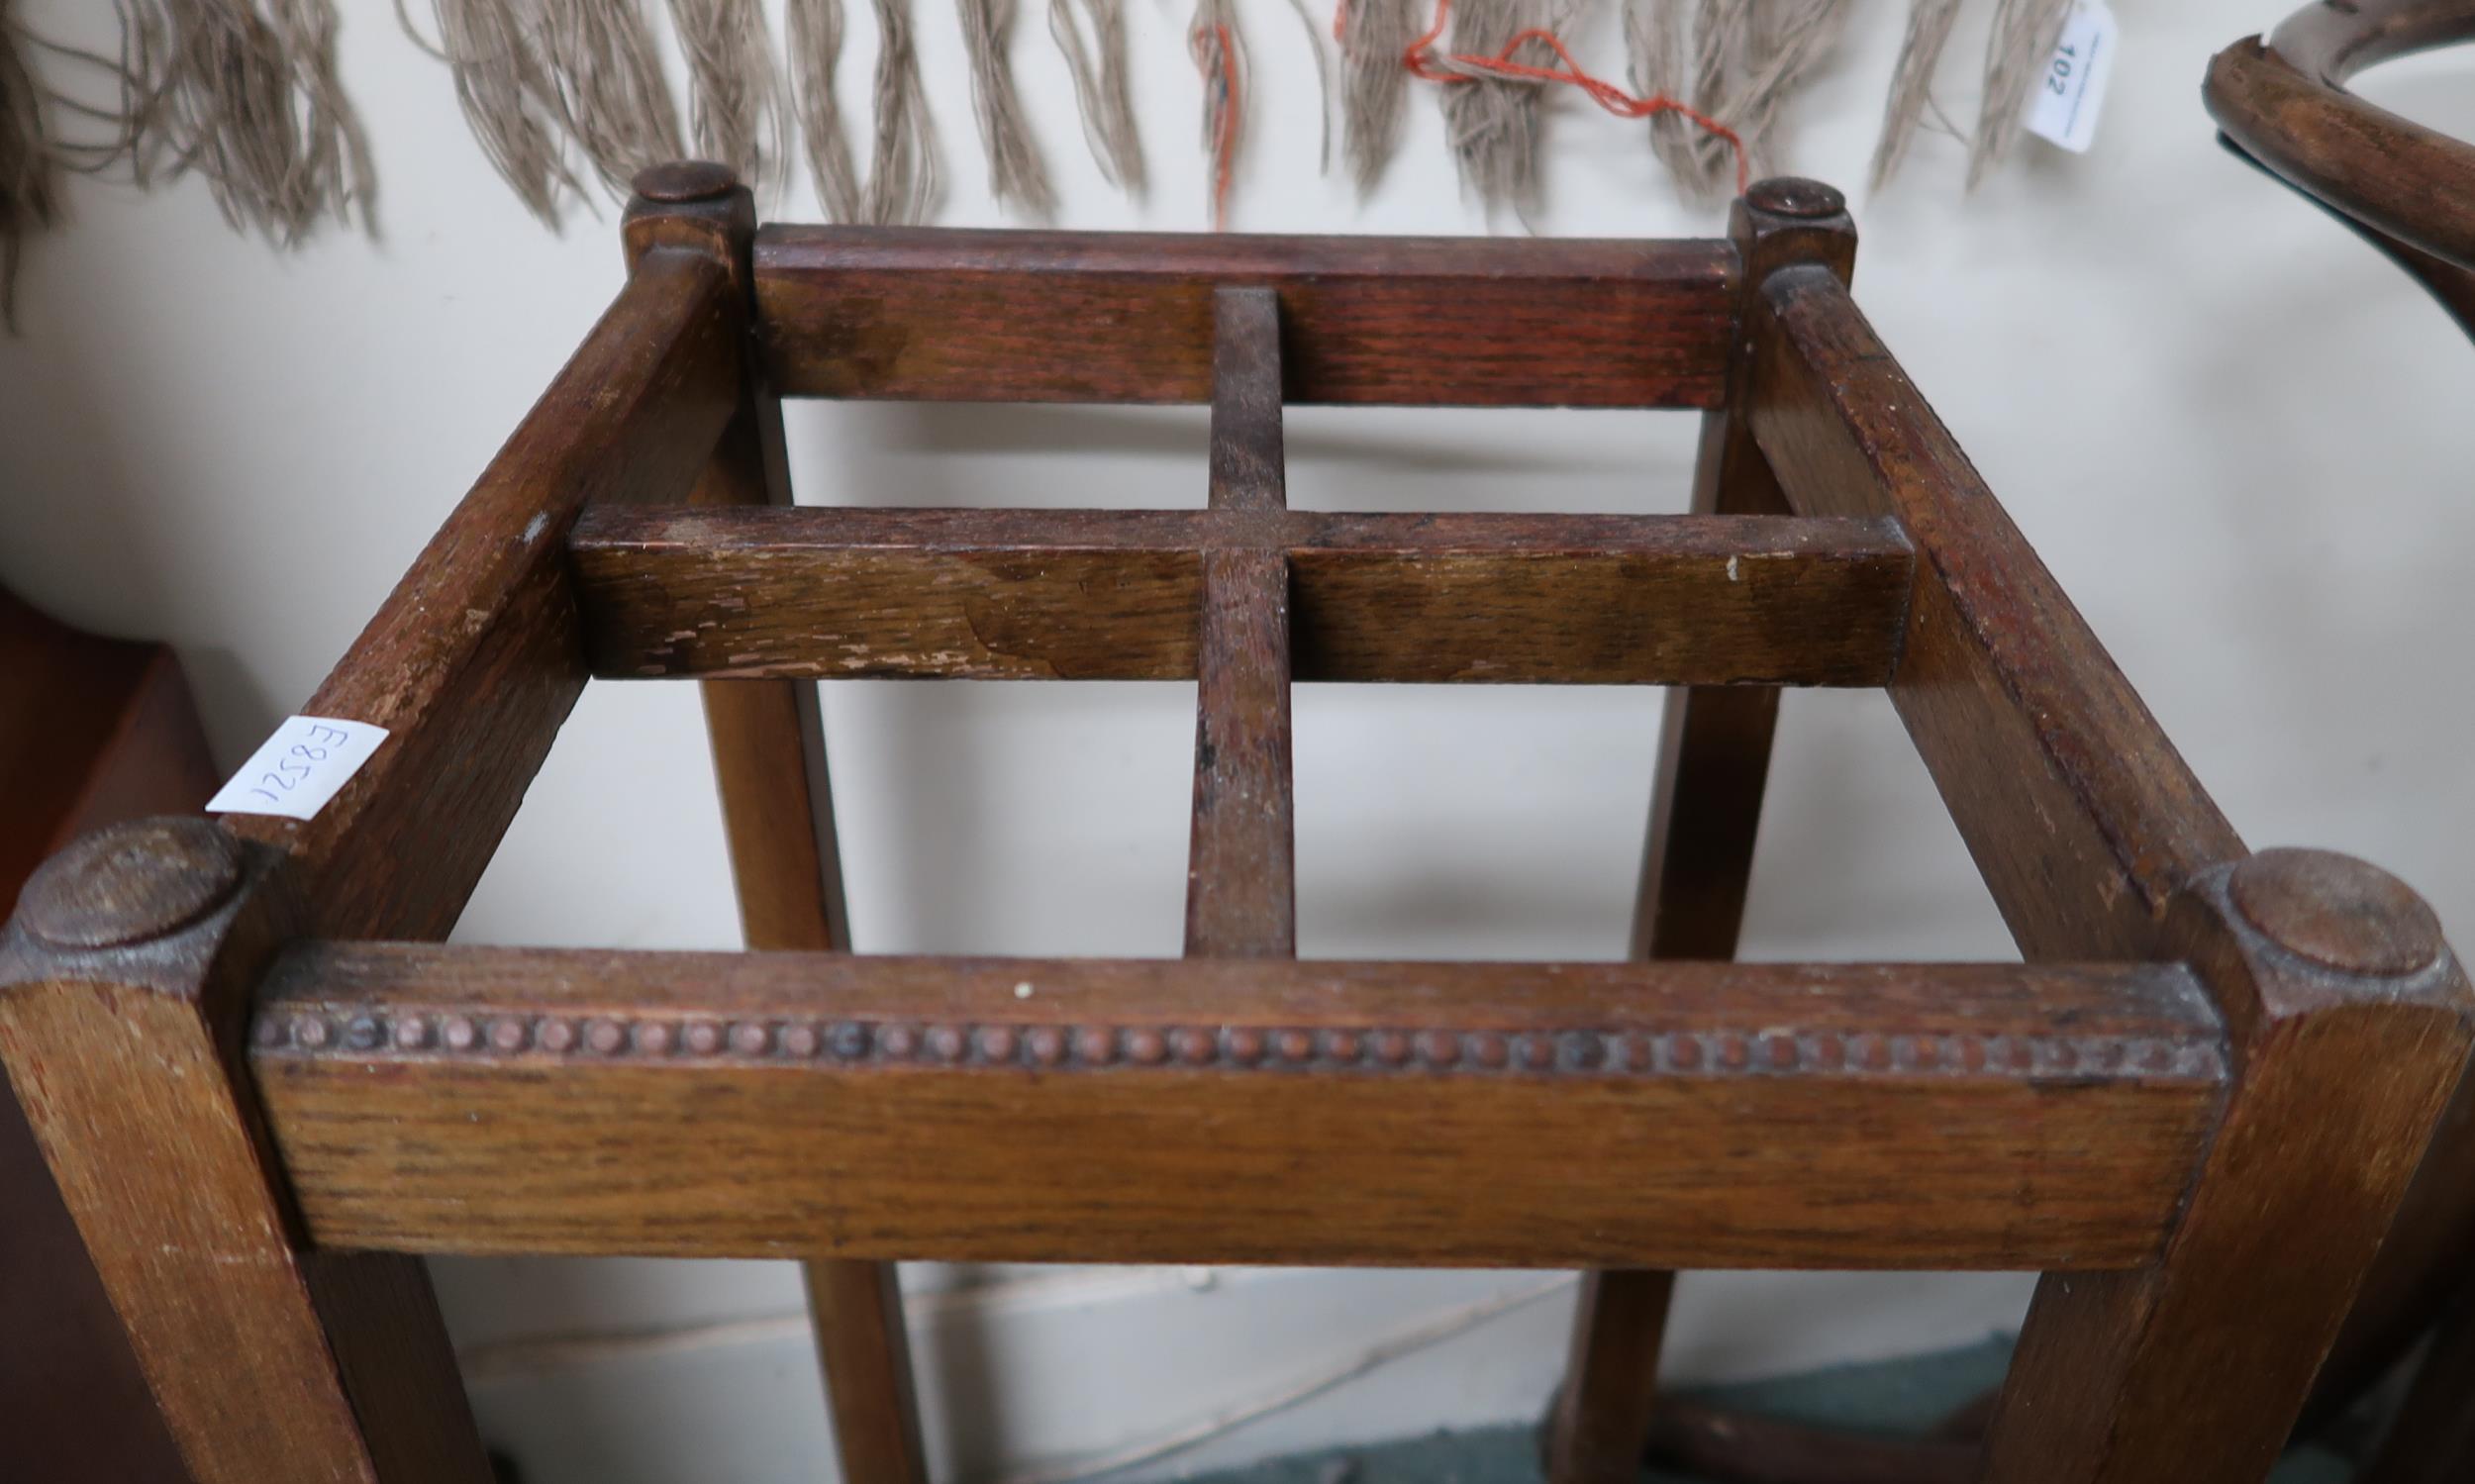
x: 2239, y: 439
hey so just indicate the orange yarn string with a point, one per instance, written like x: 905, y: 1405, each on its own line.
x: 1224, y: 138
x: 1421, y: 60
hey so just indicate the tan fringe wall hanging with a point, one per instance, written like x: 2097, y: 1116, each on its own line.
x: 1219, y: 52
x: 506, y: 95
x: 1654, y: 45
x: 1494, y: 120
x: 2026, y: 33
x: 613, y: 98
x: 29, y: 196
x: 1375, y: 35
x: 1101, y: 91
x: 245, y: 93
x: 901, y: 184
x: 560, y: 92
x: 1929, y: 24
x: 1015, y: 175
x: 1747, y: 58
x: 734, y: 97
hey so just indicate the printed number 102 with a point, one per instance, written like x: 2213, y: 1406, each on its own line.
x: 2058, y: 75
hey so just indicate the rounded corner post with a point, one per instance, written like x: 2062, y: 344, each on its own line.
x: 697, y: 206
x: 126, y: 982
x: 2348, y: 1019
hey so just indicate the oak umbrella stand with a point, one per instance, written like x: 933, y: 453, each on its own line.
x: 266, y: 1087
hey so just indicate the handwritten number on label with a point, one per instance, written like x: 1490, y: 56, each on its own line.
x: 299, y: 768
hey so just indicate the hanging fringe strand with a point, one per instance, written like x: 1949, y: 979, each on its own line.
x: 606, y: 71
x: 1494, y: 122
x: 1929, y: 24
x: 735, y: 98
x: 506, y: 96
x: 1461, y: 67
x: 902, y: 177
x: 902, y: 183
x: 1654, y: 45
x: 28, y: 197
x: 1375, y: 35
x: 815, y: 33
x: 249, y: 98
x: 1101, y: 91
x: 1015, y: 176
x: 2023, y: 41
x: 1789, y: 39
x: 1220, y: 54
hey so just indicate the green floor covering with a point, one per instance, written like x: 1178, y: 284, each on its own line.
x: 1904, y: 1395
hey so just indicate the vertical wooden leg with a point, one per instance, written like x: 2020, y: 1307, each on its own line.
x: 777, y: 809
x: 1611, y: 1380
x: 768, y: 746
x: 856, y: 1307
x: 124, y: 983
x: 777, y: 806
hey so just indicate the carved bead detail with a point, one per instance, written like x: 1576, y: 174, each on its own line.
x: 363, y: 1031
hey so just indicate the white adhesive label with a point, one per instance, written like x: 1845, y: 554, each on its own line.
x: 295, y: 772
x: 2073, y: 90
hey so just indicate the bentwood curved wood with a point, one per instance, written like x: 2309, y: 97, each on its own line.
x: 265, y: 1085
x: 2408, y: 189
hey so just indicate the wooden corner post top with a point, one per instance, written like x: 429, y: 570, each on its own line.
x: 693, y: 204
x: 1787, y: 219
x: 2340, y: 913
x: 129, y: 882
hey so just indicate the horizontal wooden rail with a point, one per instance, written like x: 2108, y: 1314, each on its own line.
x: 1114, y: 595
x: 474, y: 662
x: 2082, y: 817
x: 1681, y: 1114
x: 944, y: 314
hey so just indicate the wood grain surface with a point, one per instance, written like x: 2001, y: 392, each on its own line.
x: 994, y: 594
x: 944, y: 315
x: 803, y: 1105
